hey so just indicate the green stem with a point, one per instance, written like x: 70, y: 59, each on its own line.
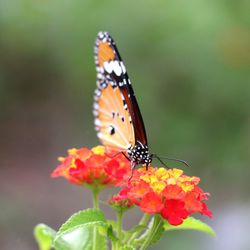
x: 113, y: 245
x: 156, y: 224
x: 119, y: 215
x: 95, y: 193
x: 143, y: 222
x: 119, y: 224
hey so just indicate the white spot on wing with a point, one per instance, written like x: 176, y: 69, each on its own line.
x: 101, y: 35
x: 117, y: 68
x: 99, y: 75
x: 108, y: 66
x: 97, y: 122
x: 97, y: 92
x: 96, y: 106
x: 113, y: 84
x: 113, y: 66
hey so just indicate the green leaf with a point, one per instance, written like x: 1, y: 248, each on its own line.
x: 112, y: 223
x: 85, y: 230
x: 81, y: 218
x: 111, y: 235
x: 86, y: 237
x: 153, y: 233
x: 137, y: 228
x: 44, y: 236
x: 192, y: 224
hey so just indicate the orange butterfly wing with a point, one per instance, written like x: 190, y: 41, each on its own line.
x: 118, y: 119
x: 112, y: 120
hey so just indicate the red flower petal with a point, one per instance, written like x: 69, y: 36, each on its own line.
x: 206, y: 211
x: 173, y: 192
x: 151, y: 203
x: 174, y: 211
x: 193, y: 204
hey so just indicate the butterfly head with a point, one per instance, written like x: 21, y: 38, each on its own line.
x: 139, y: 154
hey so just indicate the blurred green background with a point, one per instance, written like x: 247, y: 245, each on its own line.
x: 189, y: 62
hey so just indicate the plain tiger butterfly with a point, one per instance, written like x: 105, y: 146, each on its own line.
x: 118, y: 119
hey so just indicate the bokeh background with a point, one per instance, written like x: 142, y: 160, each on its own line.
x: 189, y: 62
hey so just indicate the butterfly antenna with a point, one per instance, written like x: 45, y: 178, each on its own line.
x: 159, y: 159
x: 170, y: 159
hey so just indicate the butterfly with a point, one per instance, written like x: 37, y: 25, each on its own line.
x: 118, y: 119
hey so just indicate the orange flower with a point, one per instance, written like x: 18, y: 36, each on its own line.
x: 168, y: 192
x: 95, y: 167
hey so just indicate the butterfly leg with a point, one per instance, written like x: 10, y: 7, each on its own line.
x: 126, y: 156
x: 133, y: 164
x: 114, y: 155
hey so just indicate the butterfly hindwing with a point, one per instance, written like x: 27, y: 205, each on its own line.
x: 112, y: 120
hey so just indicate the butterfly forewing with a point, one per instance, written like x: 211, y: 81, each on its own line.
x: 110, y: 68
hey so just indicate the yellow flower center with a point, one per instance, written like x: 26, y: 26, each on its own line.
x: 159, y: 178
x: 72, y: 164
x: 175, y: 173
x: 158, y: 186
x: 162, y: 173
x: 72, y: 151
x: 186, y: 186
x: 99, y: 150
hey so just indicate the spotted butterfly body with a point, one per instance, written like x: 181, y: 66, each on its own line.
x: 118, y: 119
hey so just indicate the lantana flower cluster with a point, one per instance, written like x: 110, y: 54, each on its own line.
x: 94, y: 167
x: 165, y: 191
x: 168, y: 192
